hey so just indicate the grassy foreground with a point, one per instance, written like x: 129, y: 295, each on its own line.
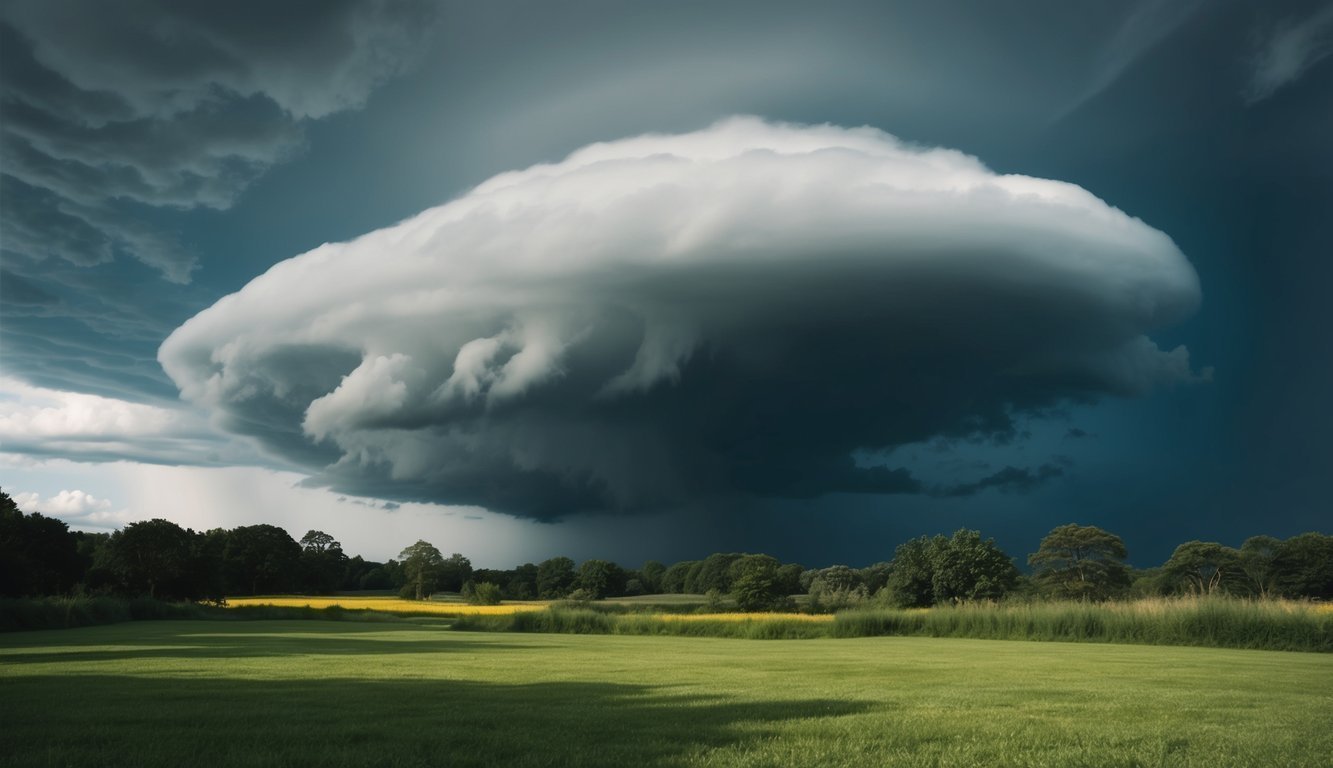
x: 174, y: 693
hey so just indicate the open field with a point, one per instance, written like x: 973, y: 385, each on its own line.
x: 389, y: 605
x: 313, y: 693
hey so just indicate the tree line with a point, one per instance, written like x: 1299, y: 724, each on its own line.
x: 40, y: 556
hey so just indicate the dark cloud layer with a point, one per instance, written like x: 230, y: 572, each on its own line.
x: 665, y: 319
x: 169, y: 104
x: 118, y: 115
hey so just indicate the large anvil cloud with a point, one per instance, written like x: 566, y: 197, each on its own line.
x: 669, y: 318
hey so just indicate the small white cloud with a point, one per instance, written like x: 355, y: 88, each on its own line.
x: 63, y: 504
x: 77, y: 508
x: 1287, y: 52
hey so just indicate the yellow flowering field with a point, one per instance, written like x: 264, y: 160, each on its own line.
x: 387, y: 605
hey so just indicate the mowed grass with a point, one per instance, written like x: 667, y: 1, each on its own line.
x: 307, y: 693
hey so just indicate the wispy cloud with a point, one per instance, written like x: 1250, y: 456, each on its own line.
x: 1144, y: 26
x: 1286, y: 51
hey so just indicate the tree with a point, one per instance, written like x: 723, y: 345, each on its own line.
x: 875, y: 576
x: 555, y: 578
x: 152, y: 557
x: 455, y: 571
x: 1258, y: 556
x: 970, y: 568
x: 523, y: 584
x: 835, y: 588
x: 1304, y: 566
x: 911, y: 580
x: 713, y: 573
x: 261, y: 559
x: 318, y: 541
x: 674, y: 578
x: 1082, y: 562
x: 422, y: 564
x: 756, y: 584
x: 1203, y: 567
x: 789, y: 578
x: 601, y: 578
x: 650, y: 576
x: 323, y: 564
x: 927, y: 571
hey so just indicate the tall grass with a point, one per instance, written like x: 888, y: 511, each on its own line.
x: 585, y: 621
x: 1214, y: 622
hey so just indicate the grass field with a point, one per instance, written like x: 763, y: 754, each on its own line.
x: 177, y: 693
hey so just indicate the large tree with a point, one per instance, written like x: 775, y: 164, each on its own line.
x: 1304, y: 566
x: 555, y: 578
x: 757, y: 584
x: 601, y: 578
x: 455, y: 571
x: 714, y: 572
x: 1258, y: 556
x: 969, y: 568
x: 422, y: 564
x: 963, y: 567
x: 1082, y: 562
x: 911, y: 578
x: 261, y: 559
x: 1203, y: 567
x: 323, y: 564
x: 153, y: 557
x: 650, y: 576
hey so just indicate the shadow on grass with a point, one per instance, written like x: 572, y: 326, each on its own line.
x: 108, y: 720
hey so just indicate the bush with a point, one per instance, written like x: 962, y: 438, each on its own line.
x: 714, y: 601
x: 484, y: 593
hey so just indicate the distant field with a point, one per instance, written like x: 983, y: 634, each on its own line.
x: 310, y: 693
x: 388, y: 605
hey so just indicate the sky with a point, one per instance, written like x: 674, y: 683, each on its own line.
x: 654, y: 280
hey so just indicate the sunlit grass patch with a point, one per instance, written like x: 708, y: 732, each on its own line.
x: 387, y: 605
x: 304, y: 693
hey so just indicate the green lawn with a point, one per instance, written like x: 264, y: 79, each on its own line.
x: 183, y: 693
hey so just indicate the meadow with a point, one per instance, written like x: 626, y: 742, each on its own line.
x: 314, y: 693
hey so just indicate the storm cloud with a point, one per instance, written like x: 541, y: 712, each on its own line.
x: 109, y: 106
x: 670, y: 318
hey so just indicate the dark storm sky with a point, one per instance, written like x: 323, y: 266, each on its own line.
x: 158, y: 157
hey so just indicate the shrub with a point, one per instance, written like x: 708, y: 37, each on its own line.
x: 485, y: 593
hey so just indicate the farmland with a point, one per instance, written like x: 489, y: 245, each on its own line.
x: 388, y: 605
x: 173, y: 693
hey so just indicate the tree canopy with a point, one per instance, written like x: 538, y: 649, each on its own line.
x: 1082, y: 562
x: 422, y: 565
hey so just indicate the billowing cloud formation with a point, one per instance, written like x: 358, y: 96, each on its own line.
x: 76, y: 507
x: 669, y: 318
